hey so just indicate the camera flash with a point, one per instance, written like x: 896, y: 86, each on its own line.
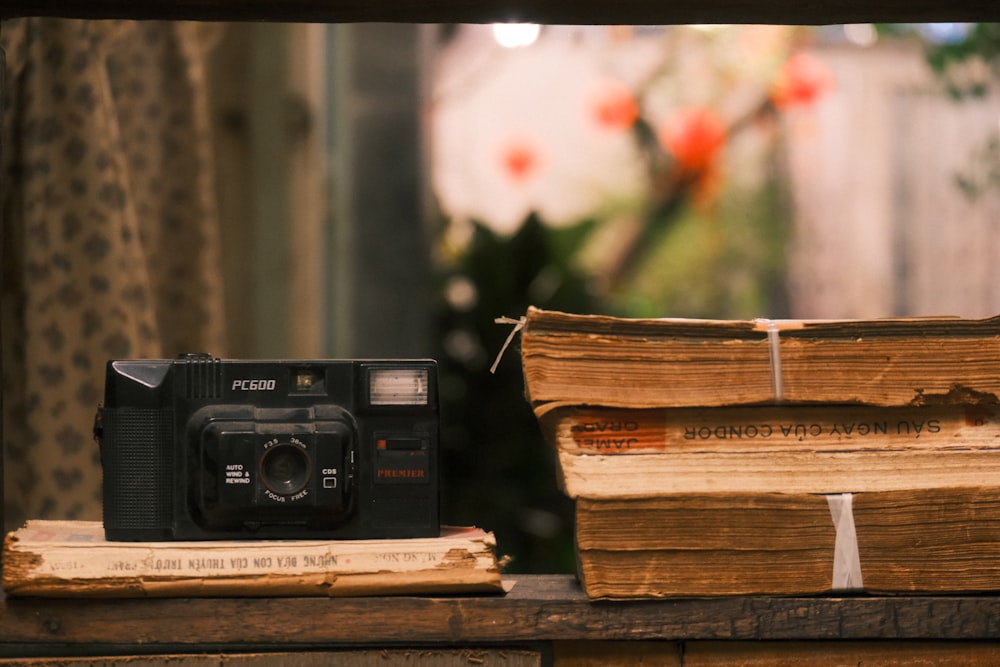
x: 398, y: 386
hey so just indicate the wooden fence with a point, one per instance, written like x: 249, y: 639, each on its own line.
x: 881, y: 225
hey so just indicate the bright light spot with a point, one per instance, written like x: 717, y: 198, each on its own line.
x: 710, y: 27
x: 861, y: 34
x: 944, y: 33
x: 461, y: 293
x: 514, y: 35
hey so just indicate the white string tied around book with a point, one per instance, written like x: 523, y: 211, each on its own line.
x: 518, y: 325
x: 774, y: 354
x: 846, y: 559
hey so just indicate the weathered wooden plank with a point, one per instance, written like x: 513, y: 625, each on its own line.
x: 840, y: 654
x: 538, y: 609
x: 357, y: 658
x: 541, y: 11
x: 777, y: 654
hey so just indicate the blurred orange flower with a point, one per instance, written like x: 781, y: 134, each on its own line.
x: 615, y: 107
x: 694, y: 137
x: 520, y: 160
x: 802, y: 80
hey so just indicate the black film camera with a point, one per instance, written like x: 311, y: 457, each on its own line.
x: 198, y: 448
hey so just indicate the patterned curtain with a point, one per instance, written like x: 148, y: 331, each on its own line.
x: 110, y: 235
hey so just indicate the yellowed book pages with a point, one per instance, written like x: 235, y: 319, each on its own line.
x: 612, y: 476
x: 639, y: 363
x: 930, y: 541
x: 72, y: 558
x: 621, y: 452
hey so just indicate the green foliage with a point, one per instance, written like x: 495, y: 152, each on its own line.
x: 950, y: 62
x: 499, y: 473
x: 949, y: 58
x: 981, y: 42
x: 983, y: 172
x: 725, y: 262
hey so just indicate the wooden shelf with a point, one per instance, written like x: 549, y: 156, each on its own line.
x: 809, y: 12
x: 537, y: 609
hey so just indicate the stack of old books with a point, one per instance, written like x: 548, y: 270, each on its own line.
x: 773, y: 457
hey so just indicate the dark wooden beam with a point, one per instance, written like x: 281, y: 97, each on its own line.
x: 790, y: 12
x: 538, y: 609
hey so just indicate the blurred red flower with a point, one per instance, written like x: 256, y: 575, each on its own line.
x: 694, y: 137
x: 615, y: 107
x: 802, y: 80
x: 520, y: 160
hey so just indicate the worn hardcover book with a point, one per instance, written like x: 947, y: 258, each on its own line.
x: 624, y: 452
x: 72, y: 559
x: 660, y: 363
x: 927, y: 541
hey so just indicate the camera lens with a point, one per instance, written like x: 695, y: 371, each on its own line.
x: 285, y: 469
